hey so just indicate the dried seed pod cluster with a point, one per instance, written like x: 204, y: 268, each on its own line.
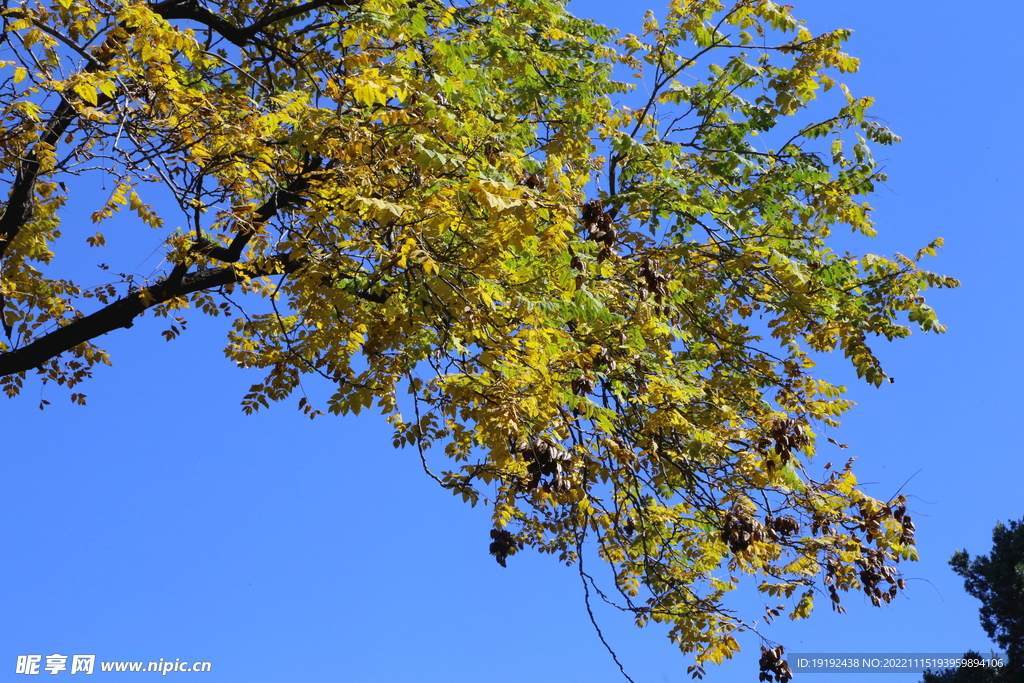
x: 871, y: 521
x: 534, y: 182
x: 503, y: 544
x: 580, y: 266
x: 577, y: 263
x: 546, y: 459
x: 834, y: 595
x: 600, y: 228
x: 873, y: 572
x: 907, y: 522
x: 786, y: 526
x: 824, y: 523
x: 773, y: 666
x: 582, y: 385
x: 784, y: 436
x: 739, y: 531
x: 653, y: 283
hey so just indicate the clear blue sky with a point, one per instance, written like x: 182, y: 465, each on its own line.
x: 159, y: 521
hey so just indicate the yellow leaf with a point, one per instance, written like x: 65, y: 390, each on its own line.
x: 86, y: 92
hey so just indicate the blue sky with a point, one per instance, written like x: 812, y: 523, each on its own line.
x: 159, y: 521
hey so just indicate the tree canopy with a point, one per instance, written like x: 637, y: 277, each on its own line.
x: 603, y: 303
x: 997, y: 580
x: 978, y: 672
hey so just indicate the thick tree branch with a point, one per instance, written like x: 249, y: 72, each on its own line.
x: 123, y: 312
x: 20, y: 203
x: 192, y: 10
x: 21, y: 200
x: 178, y: 282
x: 284, y: 198
x: 289, y: 12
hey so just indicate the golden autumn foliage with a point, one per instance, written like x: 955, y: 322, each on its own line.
x: 606, y: 315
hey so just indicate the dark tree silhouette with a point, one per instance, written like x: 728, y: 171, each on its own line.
x: 968, y: 674
x: 997, y: 580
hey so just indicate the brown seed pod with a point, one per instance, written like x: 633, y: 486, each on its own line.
x: 582, y: 385
x: 785, y: 525
x: 534, y: 182
x: 592, y: 210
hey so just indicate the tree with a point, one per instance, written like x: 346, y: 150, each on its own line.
x: 606, y: 314
x: 977, y: 673
x: 998, y: 581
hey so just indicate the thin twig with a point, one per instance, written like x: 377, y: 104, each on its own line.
x: 419, y: 437
x: 590, y: 612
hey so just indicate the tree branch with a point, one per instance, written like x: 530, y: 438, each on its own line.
x: 283, y: 198
x: 123, y: 312
x: 21, y: 200
x: 241, y: 36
